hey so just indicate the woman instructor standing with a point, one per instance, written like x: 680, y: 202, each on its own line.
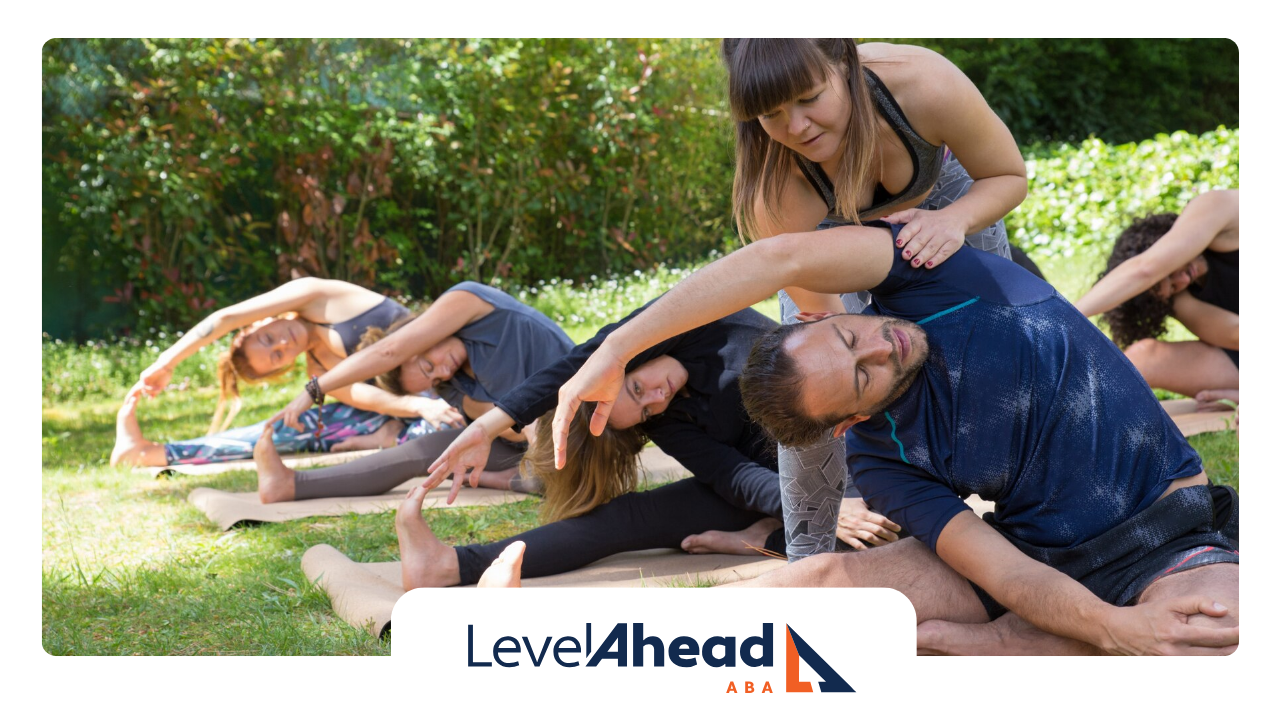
x: 832, y: 133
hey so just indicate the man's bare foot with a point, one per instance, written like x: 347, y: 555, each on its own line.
x: 505, y: 570
x: 1207, y: 400
x: 731, y: 543
x: 424, y: 560
x: 275, y: 479
x: 131, y: 447
x: 384, y: 437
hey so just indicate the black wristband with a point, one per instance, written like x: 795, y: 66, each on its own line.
x: 313, y: 389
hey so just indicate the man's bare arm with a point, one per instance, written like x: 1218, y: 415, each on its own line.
x: 1058, y: 604
x: 835, y: 261
x: 839, y: 260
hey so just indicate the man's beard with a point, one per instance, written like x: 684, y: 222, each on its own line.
x: 904, y: 374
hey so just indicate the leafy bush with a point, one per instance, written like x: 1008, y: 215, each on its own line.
x: 1082, y: 196
x: 180, y: 175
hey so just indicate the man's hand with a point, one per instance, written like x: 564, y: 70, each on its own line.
x: 859, y: 527
x: 439, y: 413
x: 1164, y: 628
x: 929, y: 236
x: 600, y: 381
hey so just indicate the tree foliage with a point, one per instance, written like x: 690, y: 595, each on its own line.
x: 180, y: 175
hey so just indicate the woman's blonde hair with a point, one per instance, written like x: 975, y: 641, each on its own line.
x: 766, y: 73
x: 596, y: 470
x: 389, y: 380
x: 233, y: 367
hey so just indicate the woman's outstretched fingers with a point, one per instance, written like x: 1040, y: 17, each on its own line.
x: 565, y: 411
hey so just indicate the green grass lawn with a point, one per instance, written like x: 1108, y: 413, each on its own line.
x: 130, y: 568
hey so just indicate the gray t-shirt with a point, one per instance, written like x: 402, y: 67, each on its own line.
x: 504, y: 347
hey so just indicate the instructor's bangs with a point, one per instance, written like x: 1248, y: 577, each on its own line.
x: 765, y: 73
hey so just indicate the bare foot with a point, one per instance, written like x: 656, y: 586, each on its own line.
x: 384, y: 437
x: 731, y: 543
x: 275, y: 479
x: 424, y: 560
x: 505, y: 570
x: 1207, y: 400
x: 131, y: 448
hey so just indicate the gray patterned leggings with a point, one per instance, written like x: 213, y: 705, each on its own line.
x: 814, y: 479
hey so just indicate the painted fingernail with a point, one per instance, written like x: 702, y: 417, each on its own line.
x: 929, y: 264
x: 916, y: 262
x: 906, y: 253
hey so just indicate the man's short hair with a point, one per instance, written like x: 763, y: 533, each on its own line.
x: 772, y: 386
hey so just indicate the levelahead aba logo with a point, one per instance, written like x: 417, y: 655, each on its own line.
x: 699, y: 646
x: 683, y: 651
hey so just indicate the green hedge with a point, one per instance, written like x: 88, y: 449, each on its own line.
x: 180, y: 175
x: 1081, y: 196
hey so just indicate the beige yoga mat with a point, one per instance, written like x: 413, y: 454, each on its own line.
x: 293, y: 461
x: 363, y: 594
x: 1191, y: 422
x: 228, y: 508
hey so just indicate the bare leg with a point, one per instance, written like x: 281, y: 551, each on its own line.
x: 131, y: 447
x: 275, y: 479
x: 742, y: 542
x: 935, y: 590
x: 1220, y: 581
x: 1183, y: 367
x: 1007, y: 635
x: 424, y: 560
x: 1011, y: 635
x: 505, y: 570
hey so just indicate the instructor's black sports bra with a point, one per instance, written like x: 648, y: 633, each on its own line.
x: 926, y: 160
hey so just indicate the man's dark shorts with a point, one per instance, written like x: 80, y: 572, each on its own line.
x: 1191, y: 527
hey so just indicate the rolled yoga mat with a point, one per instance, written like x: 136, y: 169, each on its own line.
x: 363, y: 594
x: 226, y: 509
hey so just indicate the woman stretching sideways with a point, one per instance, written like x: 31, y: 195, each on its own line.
x: 322, y: 319
x: 1186, y: 266
x: 683, y: 395
x: 473, y: 345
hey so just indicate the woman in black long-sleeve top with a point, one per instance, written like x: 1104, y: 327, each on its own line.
x: 682, y: 394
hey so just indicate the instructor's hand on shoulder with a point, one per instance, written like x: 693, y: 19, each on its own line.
x: 929, y: 236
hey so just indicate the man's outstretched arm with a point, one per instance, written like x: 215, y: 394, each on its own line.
x: 1057, y: 604
x: 839, y: 260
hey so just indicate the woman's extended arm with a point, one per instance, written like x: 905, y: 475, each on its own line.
x: 1203, y: 219
x: 946, y: 108
x: 1217, y: 326
x: 447, y: 315
x: 292, y: 296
